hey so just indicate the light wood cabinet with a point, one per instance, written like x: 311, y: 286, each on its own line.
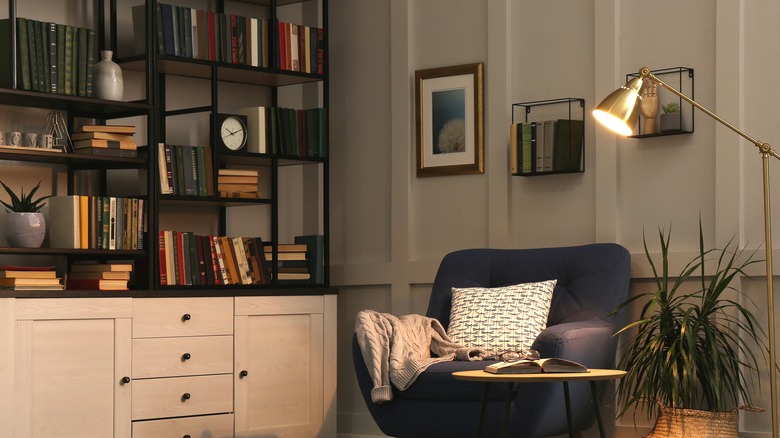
x: 285, y: 366
x: 135, y: 367
x: 64, y: 374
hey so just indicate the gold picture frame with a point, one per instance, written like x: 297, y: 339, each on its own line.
x: 449, y: 119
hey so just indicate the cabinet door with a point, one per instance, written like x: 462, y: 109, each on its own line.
x: 284, y: 379
x: 71, y: 357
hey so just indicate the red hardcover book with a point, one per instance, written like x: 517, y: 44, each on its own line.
x: 163, y: 270
x: 234, y: 39
x: 320, y: 51
x: 95, y: 284
x: 301, y: 48
x: 281, y: 35
x: 211, y: 43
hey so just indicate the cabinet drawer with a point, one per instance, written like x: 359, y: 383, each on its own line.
x: 182, y: 396
x: 182, y: 356
x: 212, y: 426
x: 161, y: 317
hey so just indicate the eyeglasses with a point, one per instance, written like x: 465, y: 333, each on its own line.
x: 513, y: 356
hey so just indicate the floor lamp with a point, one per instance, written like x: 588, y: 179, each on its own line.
x: 619, y: 112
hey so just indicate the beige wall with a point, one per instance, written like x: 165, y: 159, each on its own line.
x: 390, y: 228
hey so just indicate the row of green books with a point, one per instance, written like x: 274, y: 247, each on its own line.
x: 96, y: 222
x: 185, y: 170
x: 287, y: 131
x: 546, y: 146
x: 51, y: 57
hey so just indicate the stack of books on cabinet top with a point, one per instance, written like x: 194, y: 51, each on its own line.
x: 51, y: 58
x: 547, y: 146
x: 29, y: 278
x: 232, y: 39
x: 188, y: 259
x: 301, y: 261
x: 99, y: 276
x: 237, y: 183
x: 96, y: 222
x: 185, y: 170
x: 106, y: 140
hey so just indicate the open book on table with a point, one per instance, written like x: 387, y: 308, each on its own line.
x: 527, y: 366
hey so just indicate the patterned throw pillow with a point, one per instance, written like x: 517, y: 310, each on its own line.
x: 502, y: 318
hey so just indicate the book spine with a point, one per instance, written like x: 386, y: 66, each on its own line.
x: 34, y: 55
x: 112, y: 222
x: 81, y: 68
x: 220, y: 257
x: 162, y: 165
x: 68, y: 61
x: 51, y: 38
x: 60, y: 59
x: 162, y: 259
x: 24, y: 53
x: 90, y: 61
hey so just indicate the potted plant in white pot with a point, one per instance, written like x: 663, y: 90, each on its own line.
x: 671, y: 119
x: 25, y: 226
x: 691, y: 352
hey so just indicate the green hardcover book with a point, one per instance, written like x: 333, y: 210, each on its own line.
x: 24, y: 53
x: 200, y: 159
x: 68, y: 61
x: 39, y: 52
x: 81, y: 62
x: 562, y: 146
x: 105, y: 222
x: 31, y: 41
x: 90, y: 59
x: 180, y: 168
x: 51, y: 37
x: 527, y: 158
x: 43, y: 29
x: 60, y: 59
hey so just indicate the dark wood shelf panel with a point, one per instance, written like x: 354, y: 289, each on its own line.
x: 79, y: 161
x: 98, y: 253
x: 79, y: 106
x: 209, y: 201
x: 662, y: 134
x: 243, y: 74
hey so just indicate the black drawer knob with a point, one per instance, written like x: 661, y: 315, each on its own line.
x: 243, y: 374
x: 186, y: 396
x: 185, y: 357
x: 186, y: 436
x: 186, y: 317
x: 124, y: 380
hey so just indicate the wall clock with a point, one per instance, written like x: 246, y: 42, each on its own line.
x: 232, y: 132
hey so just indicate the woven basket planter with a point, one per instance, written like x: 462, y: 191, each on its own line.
x: 693, y: 423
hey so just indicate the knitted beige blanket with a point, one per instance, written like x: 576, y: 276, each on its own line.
x: 397, y: 349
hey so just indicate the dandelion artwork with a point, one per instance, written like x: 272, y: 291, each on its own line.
x: 449, y: 120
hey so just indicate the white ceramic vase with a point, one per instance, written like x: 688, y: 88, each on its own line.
x: 107, y: 78
x: 25, y: 230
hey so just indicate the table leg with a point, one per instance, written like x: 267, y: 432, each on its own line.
x: 598, y: 411
x: 510, y: 395
x: 481, y: 421
x: 568, y: 408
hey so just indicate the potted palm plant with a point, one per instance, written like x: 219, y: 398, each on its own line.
x: 25, y: 226
x: 691, y: 352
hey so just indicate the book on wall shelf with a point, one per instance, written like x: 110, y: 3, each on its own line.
x: 185, y: 170
x: 90, y: 222
x: 528, y: 366
x: 546, y: 146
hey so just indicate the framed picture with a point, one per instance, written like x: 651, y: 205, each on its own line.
x: 449, y: 118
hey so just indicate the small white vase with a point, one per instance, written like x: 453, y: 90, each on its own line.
x: 107, y: 78
x: 25, y: 230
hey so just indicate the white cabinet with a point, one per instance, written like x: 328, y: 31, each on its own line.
x: 285, y: 366
x: 64, y: 365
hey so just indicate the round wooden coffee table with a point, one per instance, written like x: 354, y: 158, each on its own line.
x: 514, y: 379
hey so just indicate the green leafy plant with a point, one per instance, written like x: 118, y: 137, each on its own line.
x: 671, y: 108
x: 24, y: 203
x: 690, y: 350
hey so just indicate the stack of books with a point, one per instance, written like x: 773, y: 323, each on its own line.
x: 29, y: 278
x: 99, y: 276
x: 107, y: 140
x: 291, y: 261
x: 235, y: 183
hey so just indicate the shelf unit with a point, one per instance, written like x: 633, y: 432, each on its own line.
x: 157, y: 70
x: 571, y: 111
x: 681, y: 78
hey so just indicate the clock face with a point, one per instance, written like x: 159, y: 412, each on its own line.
x: 232, y: 131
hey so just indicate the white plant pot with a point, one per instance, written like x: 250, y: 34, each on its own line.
x: 25, y: 230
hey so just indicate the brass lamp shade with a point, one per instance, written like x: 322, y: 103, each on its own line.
x: 618, y: 111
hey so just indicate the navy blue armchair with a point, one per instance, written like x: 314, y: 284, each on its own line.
x: 592, y: 281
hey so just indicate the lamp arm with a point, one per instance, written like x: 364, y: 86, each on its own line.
x: 764, y: 148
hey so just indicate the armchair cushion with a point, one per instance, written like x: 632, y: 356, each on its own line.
x: 500, y: 319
